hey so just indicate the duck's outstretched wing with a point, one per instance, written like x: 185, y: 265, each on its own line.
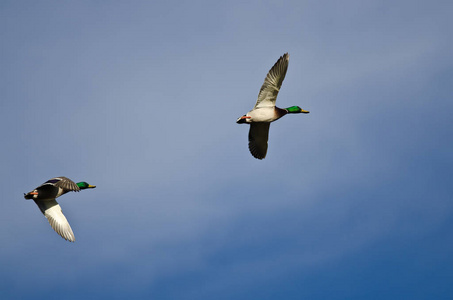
x: 52, y: 211
x: 62, y: 182
x: 272, y: 83
x: 258, y: 136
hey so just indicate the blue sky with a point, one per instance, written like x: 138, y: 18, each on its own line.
x: 140, y: 98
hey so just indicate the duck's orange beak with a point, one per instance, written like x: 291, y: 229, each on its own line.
x: 33, y: 193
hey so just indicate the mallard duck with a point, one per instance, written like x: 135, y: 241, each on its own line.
x: 45, y: 195
x: 265, y: 110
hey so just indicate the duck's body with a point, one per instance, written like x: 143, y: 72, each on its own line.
x: 45, y: 195
x: 265, y: 110
x: 265, y: 114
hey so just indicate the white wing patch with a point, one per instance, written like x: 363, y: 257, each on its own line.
x: 273, y: 82
x: 52, y: 211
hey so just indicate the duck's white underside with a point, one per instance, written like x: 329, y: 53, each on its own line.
x: 262, y: 114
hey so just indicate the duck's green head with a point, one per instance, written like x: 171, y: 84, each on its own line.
x: 84, y: 185
x: 296, y: 110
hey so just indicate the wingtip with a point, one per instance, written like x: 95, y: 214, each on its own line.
x: 258, y: 156
x: 256, y: 153
x: 69, y: 236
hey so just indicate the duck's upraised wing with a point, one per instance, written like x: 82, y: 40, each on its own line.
x: 272, y: 83
x: 62, y: 182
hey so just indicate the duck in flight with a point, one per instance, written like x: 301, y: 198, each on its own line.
x: 45, y: 195
x: 265, y: 110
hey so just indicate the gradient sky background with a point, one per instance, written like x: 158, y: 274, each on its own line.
x: 353, y: 201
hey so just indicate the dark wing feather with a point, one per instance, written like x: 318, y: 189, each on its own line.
x: 64, y: 183
x: 258, y: 136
